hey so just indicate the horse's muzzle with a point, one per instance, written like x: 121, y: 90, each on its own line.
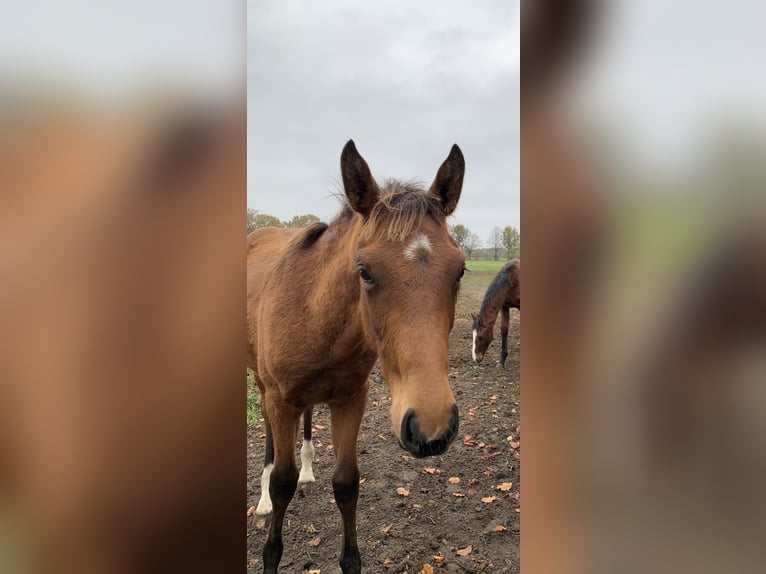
x: 416, y: 444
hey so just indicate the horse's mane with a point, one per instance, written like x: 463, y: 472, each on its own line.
x: 501, y: 282
x: 401, y: 208
x: 308, y: 236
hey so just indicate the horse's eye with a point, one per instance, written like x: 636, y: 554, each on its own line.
x: 462, y: 272
x: 365, y: 275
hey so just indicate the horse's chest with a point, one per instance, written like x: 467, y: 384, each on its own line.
x: 325, y: 386
x: 313, y: 378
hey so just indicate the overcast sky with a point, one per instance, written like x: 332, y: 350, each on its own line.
x: 404, y: 79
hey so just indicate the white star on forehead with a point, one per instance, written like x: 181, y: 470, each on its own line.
x: 420, y: 246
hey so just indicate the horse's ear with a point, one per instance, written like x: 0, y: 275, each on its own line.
x: 449, y: 180
x: 360, y: 187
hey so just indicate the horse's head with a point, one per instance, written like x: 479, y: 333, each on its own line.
x: 482, y: 337
x: 409, y: 271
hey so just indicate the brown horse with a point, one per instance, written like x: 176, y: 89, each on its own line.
x: 323, y: 303
x: 503, y: 293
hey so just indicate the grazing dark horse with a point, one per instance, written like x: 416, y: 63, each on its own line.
x: 323, y: 303
x: 503, y: 293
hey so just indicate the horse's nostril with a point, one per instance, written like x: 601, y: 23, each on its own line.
x: 410, y: 429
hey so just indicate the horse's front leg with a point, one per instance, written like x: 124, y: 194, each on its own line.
x: 504, y: 320
x: 284, y: 476
x: 346, y: 419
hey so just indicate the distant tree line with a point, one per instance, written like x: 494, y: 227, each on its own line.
x: 501, y: 243
x: 256, y: 220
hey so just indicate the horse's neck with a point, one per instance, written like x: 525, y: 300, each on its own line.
x: 337, y: 288
x: 489, y: 310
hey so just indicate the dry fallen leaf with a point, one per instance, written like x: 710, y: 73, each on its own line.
x: 488, y: 499
x: 438, y: 558
x: 505, y: 486
x: 458, y: 494
x: 401, y: 491
x: 453, y: 479
x: 499, y: 528
x: 314, y: 571
x: 315, y: 541
x: 429, y: 470
x: 362, y: 480
x: 251, y: 511
x: 427, y: 569
x: 386, y: 529
x: 465, y: 551
x: 387, y: 560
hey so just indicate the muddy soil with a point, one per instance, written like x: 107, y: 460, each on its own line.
x: 470, y: 525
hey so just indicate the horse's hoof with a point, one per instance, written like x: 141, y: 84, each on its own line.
x: 306, y: 484
x: 264, y: 507
x: 263, y: 511
x: 306, y: 476
x: 500, y: 365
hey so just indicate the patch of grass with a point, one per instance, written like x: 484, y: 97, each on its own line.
x: 485, y: 265
x: 479, y: 274
x: 477, y: 279
x: 253, y: 401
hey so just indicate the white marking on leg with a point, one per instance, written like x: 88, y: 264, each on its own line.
x: 473, y: 346
x: 264, y: 504
x: 418, y: 247
x: 307, y: 457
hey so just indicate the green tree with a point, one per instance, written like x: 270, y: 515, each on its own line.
x: 301, y: 221
x: 460, y: 234
x: 511, y: 242
x: 251, y: 215
x: 257, y: 220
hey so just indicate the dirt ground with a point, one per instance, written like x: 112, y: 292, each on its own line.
x: 466, y: 526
